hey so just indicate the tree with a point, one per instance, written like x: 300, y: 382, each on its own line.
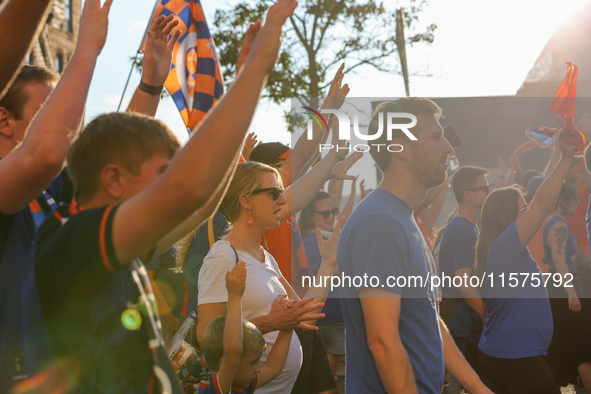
x: 321, y: 34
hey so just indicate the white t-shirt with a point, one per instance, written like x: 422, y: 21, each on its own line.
x: 262, y: 287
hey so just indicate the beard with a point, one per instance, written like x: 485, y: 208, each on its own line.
x: 428, y: 172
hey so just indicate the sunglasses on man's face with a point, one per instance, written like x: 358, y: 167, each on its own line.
x: 326, y: 214
x: 274, y: 191
x: 484, y: 188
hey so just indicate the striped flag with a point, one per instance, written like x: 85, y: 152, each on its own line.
x: 195, y: 81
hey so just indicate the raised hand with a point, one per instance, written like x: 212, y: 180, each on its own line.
x: 328, y: 248
x: 339, y: 171
x: 249, y: 144
x: 158, y: 51
x: 236, y: 280
x: 249, y: 38
x: 567, y: 149
x: 362, y: 193
x: 94, y: 23
x: 336, y: 93
x: 265, y: 48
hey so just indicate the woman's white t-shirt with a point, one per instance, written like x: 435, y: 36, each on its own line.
x: 262, y: 287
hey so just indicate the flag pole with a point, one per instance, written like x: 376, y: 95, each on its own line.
x: 138, y: 53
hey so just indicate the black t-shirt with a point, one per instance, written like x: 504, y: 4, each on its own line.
x: 83, y: 291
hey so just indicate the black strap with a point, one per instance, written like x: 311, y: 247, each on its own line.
x: 235, y: 254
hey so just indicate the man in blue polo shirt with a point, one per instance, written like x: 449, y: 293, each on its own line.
x: 395, y: 341
x: 37, y: 125
x: 34, y: 138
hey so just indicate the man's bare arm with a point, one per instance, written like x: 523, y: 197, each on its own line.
x: 381, y: 311
x: 31, y: 167
x: 20, y: 22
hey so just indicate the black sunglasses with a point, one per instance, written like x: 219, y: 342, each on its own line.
x: 485, y: 188
x: 275, y: 192
x: 326, y: 214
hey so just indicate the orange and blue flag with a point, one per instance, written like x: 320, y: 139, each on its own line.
x: 195, y: 81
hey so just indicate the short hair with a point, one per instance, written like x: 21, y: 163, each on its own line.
x: 213, y: 341
x: 246, y: 179
x: 464, y: 180
x: 15, y: 98
x: 568, y: 192
x: 413, y: 105
x: 126, y: 139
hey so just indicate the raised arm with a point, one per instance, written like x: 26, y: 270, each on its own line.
x: 276, y: 359
x: 32, y: 166
x: 304, y: 189
x: 306, y: 151
x: 235, y: 283
x: 20, y: 22
x: 543, y: 203
x: 557, y: 239
x: 156, y: 65
x: 328, y: 251
x: 198, y: 170
x: 381, y: 312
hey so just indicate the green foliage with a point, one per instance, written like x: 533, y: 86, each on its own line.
x: 317, y: 39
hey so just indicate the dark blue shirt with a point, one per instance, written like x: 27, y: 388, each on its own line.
x: 457, y: 251
x: 24, y: 344
x: 518, y: 319
x: 570, y: 251
x: 382, y: 239
x: 84, y: 290
x: 332, y: 305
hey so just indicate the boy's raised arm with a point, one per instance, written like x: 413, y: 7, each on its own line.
x: 276, y: 360
x: 235, y: 283
x: 198, y: 170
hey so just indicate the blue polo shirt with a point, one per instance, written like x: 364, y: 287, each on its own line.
x: 381, y: 238
x: 24, y: 344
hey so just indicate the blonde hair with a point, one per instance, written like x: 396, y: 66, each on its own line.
x: 246, y: 180
x: 213, y: 341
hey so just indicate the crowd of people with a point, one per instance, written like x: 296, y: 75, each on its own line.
x: 243, y: 222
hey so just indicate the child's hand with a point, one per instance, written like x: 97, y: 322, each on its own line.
x: 236, y: 280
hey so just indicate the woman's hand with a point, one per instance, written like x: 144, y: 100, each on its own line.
x: 328, y: 248
x: 280, y: 318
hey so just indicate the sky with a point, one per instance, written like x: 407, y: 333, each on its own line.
x: 481, y: 48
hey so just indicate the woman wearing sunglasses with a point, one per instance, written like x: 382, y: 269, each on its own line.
x: 518, y: 327
x: 254, y: 204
